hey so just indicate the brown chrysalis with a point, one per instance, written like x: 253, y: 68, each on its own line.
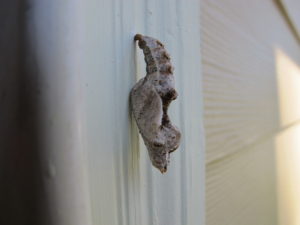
x: 150, y: 98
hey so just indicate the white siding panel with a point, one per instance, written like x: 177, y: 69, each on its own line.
x: 124, y: 187
x: 83, y: 62
x: 243, y: 111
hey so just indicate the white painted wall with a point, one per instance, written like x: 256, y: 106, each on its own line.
x: 251, y: 61
x: 80, y: 62
x: 124, y: 187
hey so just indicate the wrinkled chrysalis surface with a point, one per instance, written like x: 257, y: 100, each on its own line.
x: 150, y: 98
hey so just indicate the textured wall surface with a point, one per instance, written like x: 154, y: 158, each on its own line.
x: 125, y: 188
x: 69, y: 150
x: 247, y: 98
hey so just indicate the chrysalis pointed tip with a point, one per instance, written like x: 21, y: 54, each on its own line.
x: 163, y: 170
x: 138, y: 37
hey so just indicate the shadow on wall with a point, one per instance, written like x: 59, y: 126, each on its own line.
x: 21, y: 197
x: 251, y: 101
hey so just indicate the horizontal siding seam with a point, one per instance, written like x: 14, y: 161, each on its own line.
x: 253, y: 144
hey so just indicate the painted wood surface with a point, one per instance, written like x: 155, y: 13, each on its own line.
x: 124, y: 187
x: 244, y: 114
x: 72, y: 142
